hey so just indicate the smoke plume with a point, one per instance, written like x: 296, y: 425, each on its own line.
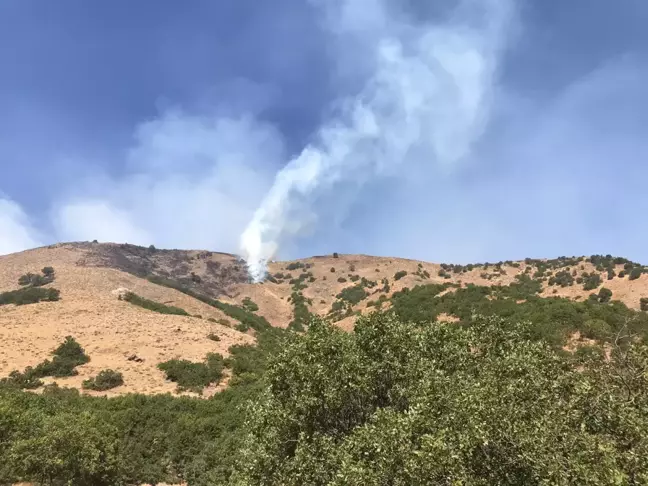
x: 426, y: 98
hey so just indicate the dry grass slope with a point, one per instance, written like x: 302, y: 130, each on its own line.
x: 90, y: 277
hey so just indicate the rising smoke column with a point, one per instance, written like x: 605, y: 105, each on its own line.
x: 428, y: 96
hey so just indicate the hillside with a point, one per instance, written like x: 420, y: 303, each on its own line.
x: 302, y: 358
x: 121, y: 336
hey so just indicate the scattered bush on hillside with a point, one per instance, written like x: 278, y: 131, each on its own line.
x: 213, y: 337
x: 151, y: 305
x: 105, y: 380
x: 611, y: 274
x: 67, y: 356
x: 342, y: 280
x: 247, y: 320
x: 29, y: 295
x: 635, y: 273
x: 562, y: 278
x: 36, y: 280
x: 591, y: 281
x: 250, y: 305
x: 335, y: 255
x: 194, y: 376
x: 294, y: 266
x: 400, y: 274
x: 332, y: 269
x: 622, y: 274
x: 32, y: 279
x: 643, y: 303
x: 604, y: 295
x: 353, y: 295
x: 301, y: 314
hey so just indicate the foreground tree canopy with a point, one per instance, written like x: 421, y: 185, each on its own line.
x: 406, y: 404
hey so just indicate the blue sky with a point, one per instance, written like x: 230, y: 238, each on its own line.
x: 168, y: 123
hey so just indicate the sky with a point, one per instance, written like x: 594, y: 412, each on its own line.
x: 449, y: 131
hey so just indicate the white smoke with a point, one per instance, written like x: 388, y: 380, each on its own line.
x: 428, y: 96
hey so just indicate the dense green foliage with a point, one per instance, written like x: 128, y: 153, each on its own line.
x: 301, y: 314
x: 194, y: 376
x: 29, y: 295
x: 105, y: 380
x: 400, y: 274
x: 250, y: 305
x: 591, y: 281
x: 554, y: 319
x: 153, y: 306
x: 247, y: 319
x: 643, y: 303
x: 36, y: 280
x: 353, y: 295
x: 401, y: 404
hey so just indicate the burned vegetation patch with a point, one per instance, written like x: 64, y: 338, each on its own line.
x: 209, y: 273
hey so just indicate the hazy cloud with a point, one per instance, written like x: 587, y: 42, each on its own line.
x: 16, y: 231
x: 194, y: 182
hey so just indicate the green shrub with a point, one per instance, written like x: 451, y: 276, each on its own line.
x: 635, y: 273
x: 596, y: 329
x: 301, y: 314
x: 194, y: 376
x: 66, y: 358
x: 643, y: 303
x: 562, y: 278
x: 353, y: 295
x: 589, y: 353
x: 591, y: 281
x: 400, y: 274
x: 29, y: 295
x: 342, y: 280
x: 105, y: 380
x: 294, y: 266
x: 153, y: 306
x: 249, y: 305
x: 33, y: 279
x: 48, y: 272
x: 213, y: 337
x: 604, y: 295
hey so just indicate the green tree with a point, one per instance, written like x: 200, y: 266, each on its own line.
x: 400, y: 274
x: 396, y: 403
x: 635, y: 273
x: 604, y: 295
x: 67, y: 448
